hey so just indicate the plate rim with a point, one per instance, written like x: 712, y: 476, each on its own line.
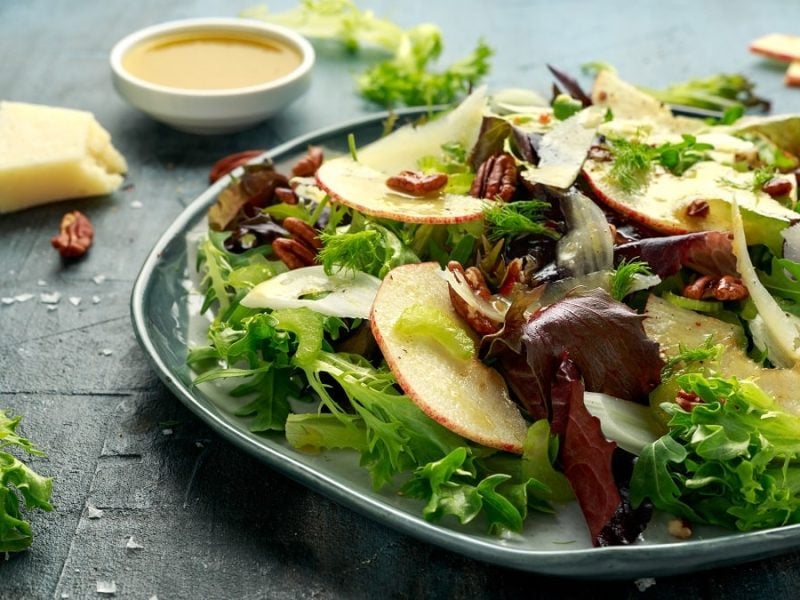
x: 608, y: 563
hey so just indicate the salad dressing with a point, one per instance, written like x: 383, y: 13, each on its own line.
x: 211, y: 60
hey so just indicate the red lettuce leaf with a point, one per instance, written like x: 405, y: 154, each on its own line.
x: 491, y: 141
x: 604, y: 338
x: 590, y: 463
x: 707, y: 252
x: 585, y: 453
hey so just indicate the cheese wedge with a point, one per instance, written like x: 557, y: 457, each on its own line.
x: 49, y: 154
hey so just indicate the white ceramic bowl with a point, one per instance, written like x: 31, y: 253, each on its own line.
x: 213, y: 111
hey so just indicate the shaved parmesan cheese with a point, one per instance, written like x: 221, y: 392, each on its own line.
x: 494, y: 311
x: 564, y: 148
x: 780, y: 333
x: 341, y: 294
x: 791, y: 235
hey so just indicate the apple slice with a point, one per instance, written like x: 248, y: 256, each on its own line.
x: 778, y: 46
x: 673, y: 327
x: 664, y: 204
x: 792, y: 76
x: 362, y: 184
x: 364, y: 188
x: 464, y: 395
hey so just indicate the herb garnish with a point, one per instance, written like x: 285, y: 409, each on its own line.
x: 518, y: 218
x: 622, y: 277
x: 633, y: 160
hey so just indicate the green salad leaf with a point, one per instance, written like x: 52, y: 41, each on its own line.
x: 733, y: 460
x: 17, y: 480
x: 406, y: 78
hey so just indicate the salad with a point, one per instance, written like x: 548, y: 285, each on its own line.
x: 516, y: 305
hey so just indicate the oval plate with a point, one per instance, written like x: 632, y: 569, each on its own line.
x: 552, y: 544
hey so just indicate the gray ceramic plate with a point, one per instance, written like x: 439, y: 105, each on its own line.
x: 555, y: 545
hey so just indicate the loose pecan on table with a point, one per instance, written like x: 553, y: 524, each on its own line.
x: 496, y: 178
x: 417, y: 183
x: 476, y: 320
x: 308, y: 165
x: 299, y: 250
x: 226, y: 164
x: 75, y: 235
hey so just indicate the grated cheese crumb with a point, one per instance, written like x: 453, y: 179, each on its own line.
x: 644, y: 583
x: 23, y: 297
x: 49, y: 298
x: 95, y: 299
x: 132, y: 545
x: 98, y: 279
x: 107, y: 587
x: 74, y: 300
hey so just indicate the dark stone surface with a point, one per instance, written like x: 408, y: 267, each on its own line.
x: 212, y: 521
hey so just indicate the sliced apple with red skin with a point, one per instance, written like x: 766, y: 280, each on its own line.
x: 361, y: 183
x: 778, y: 46
x: 792, y: 76
x: 464, y: 395
x: 664, y: 204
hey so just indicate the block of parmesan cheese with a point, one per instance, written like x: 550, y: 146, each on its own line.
x: 49, y: 154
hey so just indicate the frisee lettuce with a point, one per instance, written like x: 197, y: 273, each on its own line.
x: 734, y: 460
x: 17, y: 480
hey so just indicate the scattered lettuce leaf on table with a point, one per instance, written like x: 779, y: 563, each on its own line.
x: 405, y: 79
x: 17, y: 480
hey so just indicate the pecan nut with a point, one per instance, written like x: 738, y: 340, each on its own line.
x: 496, y: 178
x: 75, y: 235
x: 777, y: 187
x: 679, y: 528
x: 308, y: 165
x: 697, y: 208
x: 726, y: 288
x: 293, y: 254
x: 476, y: 320
x: 730, y: 288
x: 286, y: 195
x: 303, y: 232
x: 228, y: 163
x: 417, y: 183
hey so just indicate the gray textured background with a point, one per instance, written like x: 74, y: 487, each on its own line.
x: 214, y: 522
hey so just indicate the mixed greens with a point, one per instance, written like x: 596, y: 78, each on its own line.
x: 599, y: 305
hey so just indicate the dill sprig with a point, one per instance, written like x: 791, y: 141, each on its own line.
x: 634, y: 160
x: 358, y: 251
x: 689, y: 359
x: 622, y: 277
x: 524, y: 217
